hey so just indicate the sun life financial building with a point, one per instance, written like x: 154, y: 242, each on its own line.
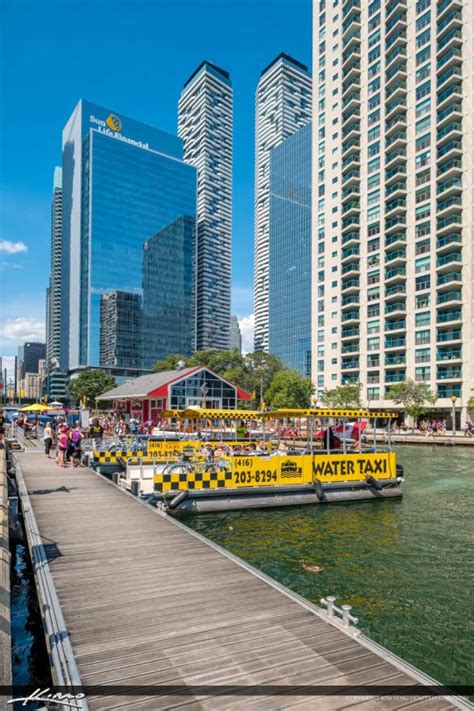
x: 128, y: 260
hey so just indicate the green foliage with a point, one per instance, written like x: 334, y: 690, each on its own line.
x: 253, y: 372
x: 343, y: 396
x: 90, y: 384
x: 470, y: 403
x: 289, y: 389
x: 168, y: 363
x: 413, y: 396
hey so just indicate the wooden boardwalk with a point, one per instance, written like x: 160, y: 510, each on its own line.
x: 146, y: 602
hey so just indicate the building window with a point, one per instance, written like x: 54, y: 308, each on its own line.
x: 422, y: 319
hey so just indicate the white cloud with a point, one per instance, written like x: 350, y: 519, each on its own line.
x: 5, y: 266
x: 12, y: 247
x: 23, y: 329
x: 247, y: 325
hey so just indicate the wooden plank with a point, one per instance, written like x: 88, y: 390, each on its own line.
x: 146, y: 602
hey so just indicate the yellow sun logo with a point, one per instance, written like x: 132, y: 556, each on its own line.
x: 114, y: 122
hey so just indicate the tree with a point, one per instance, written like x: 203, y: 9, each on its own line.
x: 260, y: 368
x: 413, y: 396
x: 470, y: 404
x: 343, y: 396
x: 289, y: 389
x: 168, y: 363
x: 89, y: 384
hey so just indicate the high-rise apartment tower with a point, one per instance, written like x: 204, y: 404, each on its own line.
x: 205, y: 126
x: 392, y: 197
x: 282, y: 106
x: 53, y: 298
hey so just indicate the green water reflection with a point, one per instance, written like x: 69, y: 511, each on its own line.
x: 405, y: 566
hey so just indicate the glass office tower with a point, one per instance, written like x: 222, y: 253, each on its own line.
x: 290, y: 252
x: 126, y: 190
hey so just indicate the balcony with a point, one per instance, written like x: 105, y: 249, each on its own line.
x: 396, y: 140
x: 450, y: 354
x: 449, y: 373
x: 398, y: 121
x: 350, y: 348
x: 351, y: 146
x: 452, y: 111
x: 452, y: 93
x: 395, y: 238
x: 395, y: 377
x: 443, y: 244
x: 449, y: 336
x: 445, y: 5
x: 451, y: 168
x: 351, y: 268
x: 444, y: 225
x: 398, y: 52
x: 349, y: 300
x: 449, y: 297
x: 348, y: 316
x: 396, y: 41
x: 395, y: 89
x: 350, y: 333
x: 399, y: 325
x: 449, y: 316
x: 348, y: 364
x: 395, y: 274
x: 352, y: 73
x: 396, y: 307
x: 350, y: 10
x: 395, y: 359
x: 448, y: 260
x: 394, y: 223
x: 452, y: 20
x: 350, y: 222
x: 351, y: 101
x: 351, y: 40
x: 350, y: 252
x: 394, y: 342
x: 351, y: 207
x: 453, y: 148
x: 394, y: 5
x: 453, y: 129
x: 392, y: 106
x: 351, y: 55
x: 350, y: 177
x: 452, y: 57
x: 399, y: 187
x: 445, y: 281
x: 447, y: 186
x: 452, y: 38
x: 453, y: 71
x: 394, y: 206
x: 394, y: 173
x: 397, y: 70
x: 350, y: 285
x: 350, y: 237
x: 353, y: 191
x: 396, y: 256
x: 392, y: 292
x: 349, y: 115
x: 352, y: 128
x: 449, y: 205
x: 446, y: 391
x: 399, y: 155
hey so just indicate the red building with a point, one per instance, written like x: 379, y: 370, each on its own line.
x: 147, y: 396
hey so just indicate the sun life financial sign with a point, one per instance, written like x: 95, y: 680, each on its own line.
x: 112, y: 127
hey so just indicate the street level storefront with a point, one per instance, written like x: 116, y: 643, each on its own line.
x: 147, y: 396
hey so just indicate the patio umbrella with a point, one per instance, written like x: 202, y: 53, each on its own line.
x: 37, y: 407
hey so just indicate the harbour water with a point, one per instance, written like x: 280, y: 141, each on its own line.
x: 404, y: 565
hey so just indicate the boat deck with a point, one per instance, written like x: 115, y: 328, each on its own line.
x: 146, y: 601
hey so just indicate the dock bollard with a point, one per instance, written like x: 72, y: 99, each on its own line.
x: 116, y: 478
x: 330, y: 605
x: 135, y: 487
x: 346, y: 612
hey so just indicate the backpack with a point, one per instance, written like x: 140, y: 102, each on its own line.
x: 76, y: 436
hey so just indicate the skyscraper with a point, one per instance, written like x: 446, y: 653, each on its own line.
x: 123, y: 183
x: 235, y: 334
x: 289, y: 310
x: 392, y: 208
x: 53, y: 298
x: 29, y: 355
x: 282, y: 106
x: 205, y: 125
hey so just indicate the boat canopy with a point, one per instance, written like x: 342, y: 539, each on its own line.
x: 210, y: 414
x: 326, y: 412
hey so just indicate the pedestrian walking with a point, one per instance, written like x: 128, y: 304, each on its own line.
x: 48, y: 439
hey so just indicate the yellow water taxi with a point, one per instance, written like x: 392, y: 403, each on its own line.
x: 267, y: 459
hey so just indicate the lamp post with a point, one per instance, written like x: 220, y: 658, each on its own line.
x: 453, y: 400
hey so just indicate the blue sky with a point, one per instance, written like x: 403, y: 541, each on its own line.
x: 131, y: 56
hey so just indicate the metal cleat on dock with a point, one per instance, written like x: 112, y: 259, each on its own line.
x: 349, y: 622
